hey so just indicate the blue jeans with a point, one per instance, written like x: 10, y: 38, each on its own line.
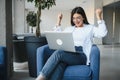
x: 56, y: 64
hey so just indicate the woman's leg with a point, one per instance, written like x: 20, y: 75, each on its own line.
x: 58, y: 73
x: 49, y: 66
x: 61, y: 56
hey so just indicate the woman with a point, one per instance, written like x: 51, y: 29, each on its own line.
x: 83, y: 34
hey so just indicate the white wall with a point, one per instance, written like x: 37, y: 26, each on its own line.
x: 49, y: 19
x: 2, y: 23
x: 89, y: 9
x: 18, y: 16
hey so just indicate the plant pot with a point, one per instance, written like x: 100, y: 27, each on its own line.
x: 32, y: 43
x: 19, y: 50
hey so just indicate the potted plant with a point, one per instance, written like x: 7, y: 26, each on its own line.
x: 41, y: 4
x: 31, y: 19
x: 33, y: 42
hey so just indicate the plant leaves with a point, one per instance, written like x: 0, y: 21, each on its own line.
x: 31, y: 18
x: 43, y: 3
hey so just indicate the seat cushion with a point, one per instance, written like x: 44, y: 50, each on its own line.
x: 77, y: 72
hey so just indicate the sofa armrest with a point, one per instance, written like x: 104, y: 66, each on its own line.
x: 95, y: 62
x: 43, y: 53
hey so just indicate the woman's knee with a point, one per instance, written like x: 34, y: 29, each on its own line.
x: 59, y: 51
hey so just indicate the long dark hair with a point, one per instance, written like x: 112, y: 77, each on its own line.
x: 79, y: 10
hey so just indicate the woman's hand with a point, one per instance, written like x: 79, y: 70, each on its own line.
x: 99, y: 14
x: 60, y: 16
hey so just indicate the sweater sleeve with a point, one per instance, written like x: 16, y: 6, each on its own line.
x: 101, y: 30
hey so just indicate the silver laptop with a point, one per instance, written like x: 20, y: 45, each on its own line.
x: 60, y: 40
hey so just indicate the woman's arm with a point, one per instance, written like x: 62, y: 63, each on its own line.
x: 60, y: 16
x: 58, y: 24
x: 99, y: 14
x: 101, y: 30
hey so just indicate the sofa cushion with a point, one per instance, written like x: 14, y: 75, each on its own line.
x: 77, y: 72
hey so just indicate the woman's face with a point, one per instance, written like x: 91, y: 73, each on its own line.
x: 78, y: 20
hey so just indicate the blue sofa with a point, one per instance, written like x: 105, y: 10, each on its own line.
x: 3, y: 63
x: 76, y: 72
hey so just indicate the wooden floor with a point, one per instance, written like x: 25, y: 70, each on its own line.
x: 109, y: 65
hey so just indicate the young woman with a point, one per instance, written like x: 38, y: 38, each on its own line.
x: 83, y: 34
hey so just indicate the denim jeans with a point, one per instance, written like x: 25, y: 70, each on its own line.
x: 56, y: 64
